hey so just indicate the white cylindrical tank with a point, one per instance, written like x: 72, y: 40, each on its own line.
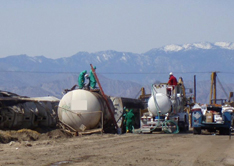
x: 83, y: 109
x: 162, y: 105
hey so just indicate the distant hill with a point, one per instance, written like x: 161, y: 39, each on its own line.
x: 121, y: 73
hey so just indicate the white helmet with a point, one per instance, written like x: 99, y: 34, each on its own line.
x: 86, y: 75
x: 171, y: 73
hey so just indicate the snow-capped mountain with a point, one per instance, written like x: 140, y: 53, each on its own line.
x: 186, y: 47
x: 22, y: 72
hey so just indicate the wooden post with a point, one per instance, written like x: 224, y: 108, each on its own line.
x: 230, y: 97
x: 195, y: 91
x: 213, y: 87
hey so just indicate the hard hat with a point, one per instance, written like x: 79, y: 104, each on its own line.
x: 86, y: 75
x: 171, y: 73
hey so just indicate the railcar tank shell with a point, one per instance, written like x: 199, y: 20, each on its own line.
x: 163, y: 104
x: 82, y: 109
x: 18, y: 112
x: 135, y: 104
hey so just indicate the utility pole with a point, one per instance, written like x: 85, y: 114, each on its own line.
x: 213, y: 88
x: 195, y: 90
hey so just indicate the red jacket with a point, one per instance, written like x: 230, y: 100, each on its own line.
x: 172, y: 80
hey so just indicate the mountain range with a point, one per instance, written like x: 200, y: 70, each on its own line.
x: 122, y: 73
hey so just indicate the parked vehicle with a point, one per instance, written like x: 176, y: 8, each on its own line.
x: 166, y: 110
x: 212, y: 118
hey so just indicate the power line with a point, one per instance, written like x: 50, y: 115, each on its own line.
x: 100, y: 72
x: 44, y: 72
x: 137, y: 73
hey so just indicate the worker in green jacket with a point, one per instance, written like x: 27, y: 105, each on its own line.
x: 129, y: 121
x: 81, y: 79
x: 92, y: 79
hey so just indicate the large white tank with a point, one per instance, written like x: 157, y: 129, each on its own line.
x: 82, y: 109
x: 163, y: 104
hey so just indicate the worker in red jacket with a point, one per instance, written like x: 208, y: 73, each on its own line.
x: 172, y: 79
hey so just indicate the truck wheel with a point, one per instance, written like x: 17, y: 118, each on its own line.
x: 187, y: 128
x: 197, y: 130
x: 183, y: 127
x: 224, y: 131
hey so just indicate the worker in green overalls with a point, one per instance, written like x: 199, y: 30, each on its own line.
x: 81, y: 79
x: 92, y: 79
x: 129, y: 117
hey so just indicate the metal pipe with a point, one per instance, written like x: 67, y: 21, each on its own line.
x: 104, y: 96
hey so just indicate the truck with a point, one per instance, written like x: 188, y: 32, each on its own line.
x: 212, y: 117
x: 166, y: 109
x: 217, y: 115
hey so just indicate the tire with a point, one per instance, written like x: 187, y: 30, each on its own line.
x: 197, y: 130
x: 187, y: 128
x: 182, y: 127
x: 224, y: 131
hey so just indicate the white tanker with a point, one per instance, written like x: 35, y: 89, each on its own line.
x: 163, y: 104
x: 82, y: 109
x: 166, y: 109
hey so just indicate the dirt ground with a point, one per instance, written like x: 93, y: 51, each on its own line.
x: 55, y: 148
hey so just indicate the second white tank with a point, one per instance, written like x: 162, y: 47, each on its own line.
x: 159, y: 103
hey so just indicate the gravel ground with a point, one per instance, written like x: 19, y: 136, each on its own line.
x: 55, y: 148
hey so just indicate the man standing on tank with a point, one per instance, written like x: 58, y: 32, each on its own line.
x: 172, y: 79
x: 92, y: 79
x: 81, y: 79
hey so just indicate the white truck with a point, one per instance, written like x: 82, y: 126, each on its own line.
x: 166, y: 107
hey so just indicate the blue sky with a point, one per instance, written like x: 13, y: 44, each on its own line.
x: 61, y: 28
